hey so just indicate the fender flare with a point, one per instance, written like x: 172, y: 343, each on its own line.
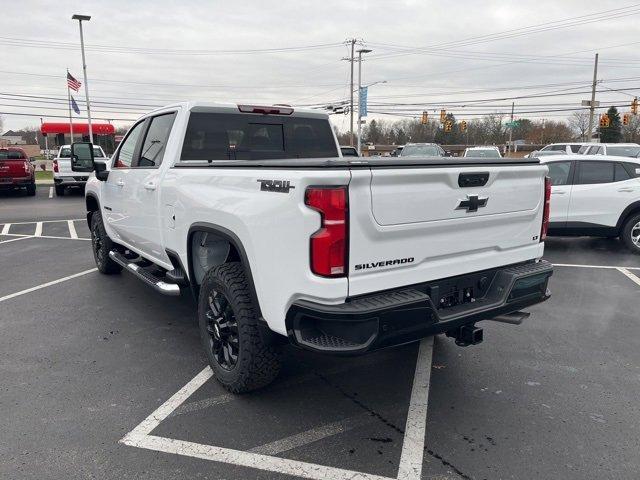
x: 635, y: 206
x: 233, y: 239
x: 90, y: 212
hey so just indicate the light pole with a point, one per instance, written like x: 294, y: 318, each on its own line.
x: 360, y: 52
x: 80, y: 18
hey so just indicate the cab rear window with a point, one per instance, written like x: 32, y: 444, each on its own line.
x: 11, y: 155
x: 224, y: 136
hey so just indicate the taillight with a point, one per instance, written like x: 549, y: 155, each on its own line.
x: 545, y: 210
x: 329, y: 243
x: 27, y: 167
x: 55, y: 166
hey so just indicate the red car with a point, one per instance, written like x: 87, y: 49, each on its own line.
x: 16, y: 170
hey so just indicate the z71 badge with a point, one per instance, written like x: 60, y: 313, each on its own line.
x: 282, y: 186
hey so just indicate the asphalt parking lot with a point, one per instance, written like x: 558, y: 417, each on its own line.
x: 100, y: 377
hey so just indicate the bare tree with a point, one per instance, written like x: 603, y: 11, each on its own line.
x: 579, y: 123
x: 631, y: 132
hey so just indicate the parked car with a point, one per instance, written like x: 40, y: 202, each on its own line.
x: 397, y: 151
x: 349, y: 151
x: 64, y: 177
x: 482, y: 152
x: 422, y: 150
x: 16, y: 170
x: 280, y: 239
x: 618, y: 149
x: 595, y: 195
x: 546, y: 153
x: 564, y: 147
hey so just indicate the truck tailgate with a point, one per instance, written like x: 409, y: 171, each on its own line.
x: 414, y: 224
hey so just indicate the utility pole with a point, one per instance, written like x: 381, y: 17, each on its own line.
x: 513, y: 104
x: 351, y: 60
x: 80, y: 18
x: 592, y: 105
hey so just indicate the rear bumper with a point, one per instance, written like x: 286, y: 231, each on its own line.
x: 404, y: 315
x: 19, y: 182
x: 70, y: 180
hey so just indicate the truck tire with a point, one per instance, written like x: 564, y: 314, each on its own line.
x: 31, y: 189
x: 59, y: 191
x: 228, y: 323
x: 101, y: 245
x: 630, y: 233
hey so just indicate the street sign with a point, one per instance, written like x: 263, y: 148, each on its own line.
x: 513, y: 124
x: 362, y: 101
x: 587, y: 103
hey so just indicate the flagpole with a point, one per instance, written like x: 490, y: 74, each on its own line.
x: 69, y: 105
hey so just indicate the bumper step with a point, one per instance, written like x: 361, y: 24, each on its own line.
x: 158, y: 284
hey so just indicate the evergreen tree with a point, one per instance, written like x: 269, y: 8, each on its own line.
x: 612, y: 133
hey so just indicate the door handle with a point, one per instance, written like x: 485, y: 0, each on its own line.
x: 560, y: 192
x: 627, y: 189
x: 120, y: 183
x: 150, y: 186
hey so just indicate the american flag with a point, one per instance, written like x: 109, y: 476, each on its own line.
x: 72, y: 83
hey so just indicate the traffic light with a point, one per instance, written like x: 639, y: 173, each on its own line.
x: 443, y: 116
x: 448, y: 125
x: 604, y: 121
x: 425, y: 118
x: 634, y: 106
x: 463, y: 126
x: 626, y: 118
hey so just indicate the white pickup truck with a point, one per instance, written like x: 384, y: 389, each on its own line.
x: 282, y: 239
x: 63, y: 176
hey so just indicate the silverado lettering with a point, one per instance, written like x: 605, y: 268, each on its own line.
x: 384, y: 263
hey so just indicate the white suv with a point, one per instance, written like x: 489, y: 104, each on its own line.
x: 564, y: 147
x: 595, y: 195
x: 618, y: 149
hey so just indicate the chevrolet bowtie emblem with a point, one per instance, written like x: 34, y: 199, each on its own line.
x: 472, y: 203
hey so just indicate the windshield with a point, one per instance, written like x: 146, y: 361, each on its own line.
x: 11, y: 155
x: 624, y: 151
x: 483, y: 153
x: 420, y: 151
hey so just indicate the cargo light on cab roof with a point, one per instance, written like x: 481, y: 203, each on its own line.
x: 265, y: 110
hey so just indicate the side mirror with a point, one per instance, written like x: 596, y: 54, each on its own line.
x: 82, y: 157
x: 32, y: 159
x: 102, y: 173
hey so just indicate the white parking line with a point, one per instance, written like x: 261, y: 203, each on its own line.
x: 410, y: 460
x: 414, y: 433
x: 593, y: 266
x: 72, y: 229
x: 50, y: 192
x: 48, y: 221
x: 48, y: 284
x: 630, y: 275
x: 38, y: 230
x: 5, y: 229
x: 313, y: 435
x: 16, y: 239
x: 45, y: 236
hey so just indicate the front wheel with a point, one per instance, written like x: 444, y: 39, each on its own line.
x: 630, y: 234
x: 228, y: 324
x: 102, y: 244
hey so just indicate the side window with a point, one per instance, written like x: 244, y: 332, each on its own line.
x: 599, y: 151
x: 620, y: 174
x: 557, y: 148
x: 595, y: 172
x: 559, y: 172
x: 633, y: 169
x: 124, y: 158
x: 583, y: 149
x: 155, y: 141
x: 574, y: 148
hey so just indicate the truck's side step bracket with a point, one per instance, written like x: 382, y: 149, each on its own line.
x: 147, y: 277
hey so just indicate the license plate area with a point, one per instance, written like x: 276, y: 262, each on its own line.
x: 456, y: 291
x: 6, y: 180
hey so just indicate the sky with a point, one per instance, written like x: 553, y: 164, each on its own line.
x: 468, y: 57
